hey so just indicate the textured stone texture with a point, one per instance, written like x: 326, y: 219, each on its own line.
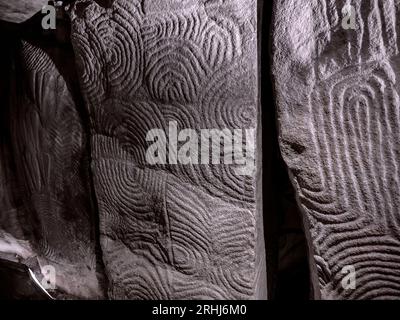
x: 337, y: 94
x: 46, y: 214
x: 19, y: 10
x: 171, y: 231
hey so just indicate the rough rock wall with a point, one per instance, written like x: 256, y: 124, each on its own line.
x: 339, y: 119
x: 46, y: 213
x: 20, y: 10
x: 171, y: 231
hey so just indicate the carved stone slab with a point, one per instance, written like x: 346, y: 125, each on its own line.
x: 171, y: 231
x: 339, y: 116
x: 47, y: 220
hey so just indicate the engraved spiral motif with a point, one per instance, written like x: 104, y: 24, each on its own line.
x: 168, y: 231
x: 109, y: 47
x: 184, y: 50
x: 352, y: 112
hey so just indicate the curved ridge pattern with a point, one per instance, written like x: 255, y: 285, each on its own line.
x: 170, y: 231
x: 49, y: 204
x: 345, y: 116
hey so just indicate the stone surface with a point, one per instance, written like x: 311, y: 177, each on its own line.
x: 171, y: 231
x: 19, y: 10
x: 338, y: 114
x: 46, y: 211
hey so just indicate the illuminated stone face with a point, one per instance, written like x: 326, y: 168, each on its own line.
x: 335, y: 71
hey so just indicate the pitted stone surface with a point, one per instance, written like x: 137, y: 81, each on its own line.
x: 337, y: 95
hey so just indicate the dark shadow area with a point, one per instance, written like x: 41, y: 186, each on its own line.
x: 286, y: 247
x: 17, y: 284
